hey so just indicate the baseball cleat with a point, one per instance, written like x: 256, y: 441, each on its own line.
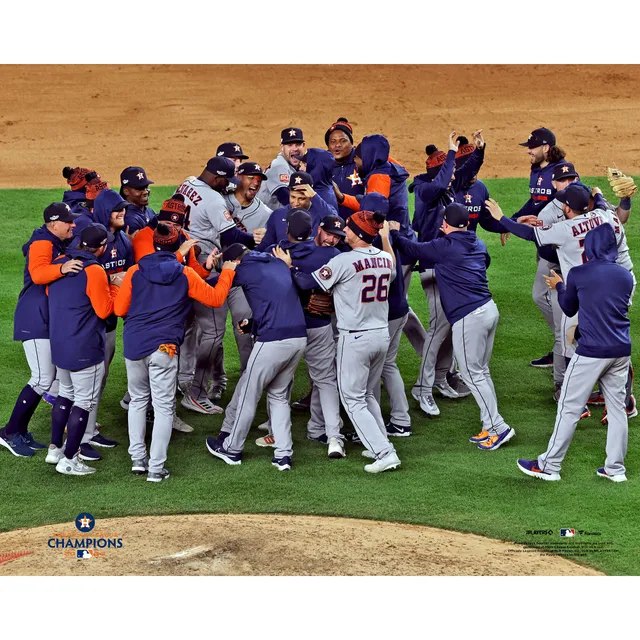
x: 158, y: 476
x: 428, y: 405
x: 265, y: 426
x: 543, y: 363
x: 494, y: 442
x: 140, y: 466
x: 16, y: 444
x: 266, y: 441
x: 302, y: 404
x: 618, y: 477
x: 217, y: 450
x: 99, y: 440
x: 481, y: 437
x: 74, y: 467
x: 530, y: 468
x: 397, y: 430
x: 596, y: 398
x: 180, y: 425
x: 632, y: 408
x: 322, y: 439
x: 388, y: 463
x: 585, y: 413
x: 446, y: 390
x: 54, y: 454
x: 31, y: 441
x: 365, y: 453
x: 215, y: 393
x: 336, y: 448
x: 49, y: 398
x: 282, y: 464
x: 124, y: 403
x: 184, y: 386
x: 201, y: 405
x: 87, y: 452
x: 352, y: 436
x: 458, y: 385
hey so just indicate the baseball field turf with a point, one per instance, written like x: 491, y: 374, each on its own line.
x: 444, y: 481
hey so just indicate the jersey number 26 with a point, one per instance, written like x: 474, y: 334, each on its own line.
x: 376, y: 288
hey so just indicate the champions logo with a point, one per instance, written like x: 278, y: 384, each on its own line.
x: 87, y: 541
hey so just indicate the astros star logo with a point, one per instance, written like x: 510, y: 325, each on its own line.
x: 325, y: 273
x: 85, y: 523
x: 140, y: 175
x: 565, y: 169
x: 468, y: 198
x: 298, y: 180
x: 355, y: 178
x: 292, y: 132
x: 237, y: 147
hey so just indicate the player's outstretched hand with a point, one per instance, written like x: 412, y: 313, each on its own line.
x: 339, y: 194
x: 230, y: 264
x: 394, y: 225
x: 283, y: 255
x: 185, y: 247
x: 504, y: 237
x: 129, y: 235
x: 453, y: 145
x: 478, y: 140
x: 306, y: 189
x: 71, y: 266
x: 384, y: 232
x: 212, y: 259
x: 245, y: 326
x: 553, y: 280
x: 531, y: 221
x: 494, y: 209
x: 117, y: 278
x: 258, y: 234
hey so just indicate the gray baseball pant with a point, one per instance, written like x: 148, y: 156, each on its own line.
x: 43, y: 371
x: 110, y: 350
x: 152, y: 378
x: 473, y: 338
x: 82, y: 387
x: 413, y: 328
x: 271, y: 367
x: 212, y: 322
x: 392, y: 379
x: 360, y: 361
x: 582, y: 374
x: 187, y: 362
x: 437, y: 353
x: 320, y: 356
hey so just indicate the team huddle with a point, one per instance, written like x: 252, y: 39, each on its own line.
x: 313, y: 258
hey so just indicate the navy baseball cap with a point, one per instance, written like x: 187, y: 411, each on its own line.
x: 251, y: 169
x: 299, y: 178
x: 59, y: 211
x: 135, y: 177
x: 456, y: 215
x: 576, y: 197
x: 222, y: 167
x: 233, y: 251
x: 375, y: 202
x: 333, y: 224
x: 230, y: 150
x: 564, y: 170
x: 299, y: 224
x: 94, y: 236
x: 293, y: 134
x: 538, y: 137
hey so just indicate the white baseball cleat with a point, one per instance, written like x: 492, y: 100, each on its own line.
x: 202, y: 405
x: 74, y: 467
x: 367, y: 454
x: 265, y: 426
x: 428, y: 405
x: 620, y: 477
x: 336, y: 448
x: 266, y: 441
x: 389, y: 462
x: 181, y: 426
x: 54, y: 454
x: 446, y: 390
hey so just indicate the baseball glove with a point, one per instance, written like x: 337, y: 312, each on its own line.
x: 321, y: 304
x: 623, y: 186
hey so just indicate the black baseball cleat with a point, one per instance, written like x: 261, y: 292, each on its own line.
x: 397, y: 430
x: 302, y: 404
x: 543, y: 363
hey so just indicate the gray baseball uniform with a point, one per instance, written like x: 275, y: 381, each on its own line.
x: 43, y: 371
x: 83, y: 386
x: 278, y: 175
x: 253, y: 216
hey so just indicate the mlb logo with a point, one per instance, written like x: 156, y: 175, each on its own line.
x: 567, y: 533
x: 82, y: 554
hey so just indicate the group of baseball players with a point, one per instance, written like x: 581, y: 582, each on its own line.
x: 313, y: 258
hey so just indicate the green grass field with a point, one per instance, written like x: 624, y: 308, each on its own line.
x: 444, y: 481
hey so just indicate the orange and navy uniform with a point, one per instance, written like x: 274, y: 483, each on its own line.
x: 155, y: 299
x: 79, y: 304
x: 31, y: 318
x: 143, y: 246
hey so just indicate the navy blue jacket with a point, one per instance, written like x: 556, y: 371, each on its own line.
x: 601, y: 290
x: 272, y: 296
x: 460, y: 261
x: 76, y: 200
x: 136, y: 218
x: 320, y: 167
x: 277, y: 222
x: 397, y: 298
x: 349, y: 182
x: 307, y: 257
x: 473, y: 196
x: 31, y: 317
x: 540, y: 189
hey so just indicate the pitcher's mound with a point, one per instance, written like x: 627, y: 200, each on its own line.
x: 273, y: 545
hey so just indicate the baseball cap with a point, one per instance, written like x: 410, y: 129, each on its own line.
x: 293, y: 134
x: 135, y: 177
x: 538, y: 137
x: 576, y: 197
x: 251, y: 169
x: 333, y: 224
x: 299, y: 178
x: 299, y: 224
x: 230, y: 150
x: 456, y: 215
x: 233, y: 251
x: 564, y: 170
x: 222, y: 167
x: 94, y: 236
x: 375, y: 202
x: 59, y: 211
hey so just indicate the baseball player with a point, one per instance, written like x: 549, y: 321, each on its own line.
x: 359, y: 280
x: 78, y: 308
x: 212, y: 224
x: 601, y: 291
x: 461, y: 261
x: 155, y: 299
x: 134, y: 188
x: 280, y: 339
x: 31, y: 321
x: 319, y: 164
x: 339, y: 141
x: 77, y: 179
x: 247, y: 210
x: 274, y: 192
x: 233, y: 151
